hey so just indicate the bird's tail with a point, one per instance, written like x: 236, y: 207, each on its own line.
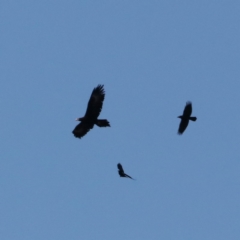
x: 193, y: 118
x: 102, y: 123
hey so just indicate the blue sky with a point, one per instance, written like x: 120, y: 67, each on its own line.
x: 152, y: 57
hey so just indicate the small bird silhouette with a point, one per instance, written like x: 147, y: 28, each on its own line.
x: 121, y: 172
x: 185, y: 118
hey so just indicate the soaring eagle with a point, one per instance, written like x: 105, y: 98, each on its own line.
x: 121, y: 171
x: 91, y: 116
x: 186, y: 117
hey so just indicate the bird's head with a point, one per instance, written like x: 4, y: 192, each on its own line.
x: 79, y: 119
x: 180, y: 117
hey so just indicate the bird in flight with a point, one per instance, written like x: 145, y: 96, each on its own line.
x: 91, y: 116
x: 121, y: 172
x: 185, y: 118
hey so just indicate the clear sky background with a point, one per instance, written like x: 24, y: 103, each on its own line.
x: 152, y: 57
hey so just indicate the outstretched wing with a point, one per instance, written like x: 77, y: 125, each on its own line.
x: 183, y: 125
x: 81, y: 129
x: 95, y: 102
x: 120, y: 167
x: 187, y: 110
x: 128, y: 176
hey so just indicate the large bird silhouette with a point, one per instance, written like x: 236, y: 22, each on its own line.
x: 91, y: 116
x: 185, y: 118
x: 121, y: 172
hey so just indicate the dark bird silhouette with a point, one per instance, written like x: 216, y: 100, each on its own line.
x: 91, y: 116
x: 185, y: 118
x: 121, y: 171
